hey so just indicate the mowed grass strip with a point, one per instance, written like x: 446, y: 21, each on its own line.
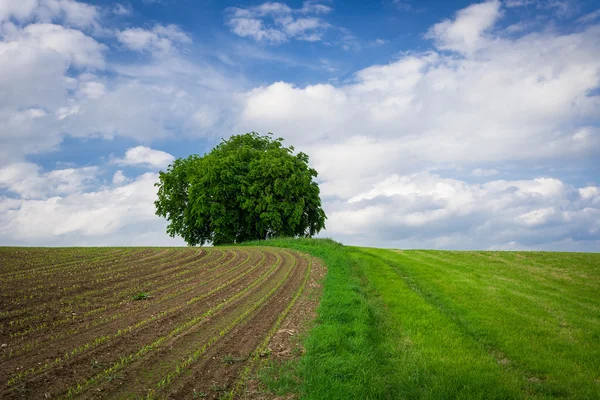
x: 536, y: 314
x: 434, y: 358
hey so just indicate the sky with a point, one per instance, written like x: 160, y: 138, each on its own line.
x: 432, y: 124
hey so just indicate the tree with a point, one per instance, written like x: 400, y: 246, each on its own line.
x: 248, y: 187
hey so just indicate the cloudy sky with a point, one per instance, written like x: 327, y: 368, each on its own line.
x: 433, y: 124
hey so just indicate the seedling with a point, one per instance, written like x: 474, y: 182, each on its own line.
x: 217, y: 388
x: 114, y: 376
x: 229, y: 359
x: 141, y: 296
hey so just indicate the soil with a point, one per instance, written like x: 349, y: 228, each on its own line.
x: 286, y: 343
x: 71, y: 325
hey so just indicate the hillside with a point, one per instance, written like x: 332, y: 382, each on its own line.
x: 235, y: 322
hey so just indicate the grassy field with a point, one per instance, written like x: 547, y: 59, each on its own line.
x: 200, y: 323
x: 440, y: 325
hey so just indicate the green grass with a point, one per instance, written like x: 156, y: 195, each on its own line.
x: 140, y: 296
x: 439, y: 324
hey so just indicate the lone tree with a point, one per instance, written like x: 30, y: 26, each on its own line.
x: 248, y: 187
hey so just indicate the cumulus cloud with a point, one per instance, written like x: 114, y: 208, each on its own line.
x: 119, y: 177
x: 53, y: 83
x: 277, y: 22
x: 36, y: 74
x: 106, y: 216
x: 71, y: 45
x: 426, y: 206
x: 525, y: 99
x: 465, y: 33
x: 69, y: 12
x: 145, y: 156
x: 28, y: 181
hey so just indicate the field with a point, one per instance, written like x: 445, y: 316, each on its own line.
x: 201, y: 323
x: 448, y: 325
x: 140, y: 322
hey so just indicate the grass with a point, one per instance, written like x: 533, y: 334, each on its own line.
x: 439, y: 324
x: 140, y: 296
x: 535, y: 317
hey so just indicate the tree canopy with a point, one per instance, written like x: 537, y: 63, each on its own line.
x: 248, y: 187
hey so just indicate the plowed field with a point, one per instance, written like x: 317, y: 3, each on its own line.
x: 139, y: 322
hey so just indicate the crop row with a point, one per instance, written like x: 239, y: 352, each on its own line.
x: 110, y: 305
x: 105, y: 338
x: 110, y: 317
x: 191, y: 323
x: 86, y: 297
x: 260, y: 350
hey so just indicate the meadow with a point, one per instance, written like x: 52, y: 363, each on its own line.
x: 390, y: 324
x: 449, y: 325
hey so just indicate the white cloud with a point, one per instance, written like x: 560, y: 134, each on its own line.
x: 484, y: 172
x: 159, y: 40
x: 313, y: 6
x: 120, y: 9
x: 518, y: 3
x: 590, y: 17
x: 105, y: 216
x: 119, y: 177
x: 34, y: 74
x: 378, y: 42
x: 539, y: 216
x: 61, y: 72
x: 277, y: 22
x: 465, y: 33
x: 425, y: 206
x: 71, y: 207
x: 69, y: 12
x: 524, y: 100
x: 145, y: 156
x: 17, y: 9
x: 253, y: 28
x: 28, y: 181
x: 73, y: 46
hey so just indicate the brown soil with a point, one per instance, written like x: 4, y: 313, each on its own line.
x: 286, y: 343
x: 85, y: 334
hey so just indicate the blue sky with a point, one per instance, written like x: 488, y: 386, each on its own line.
x: 433, y: 124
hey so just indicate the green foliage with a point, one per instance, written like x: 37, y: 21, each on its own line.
x: 249, y: 187
x: 141, y: 296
